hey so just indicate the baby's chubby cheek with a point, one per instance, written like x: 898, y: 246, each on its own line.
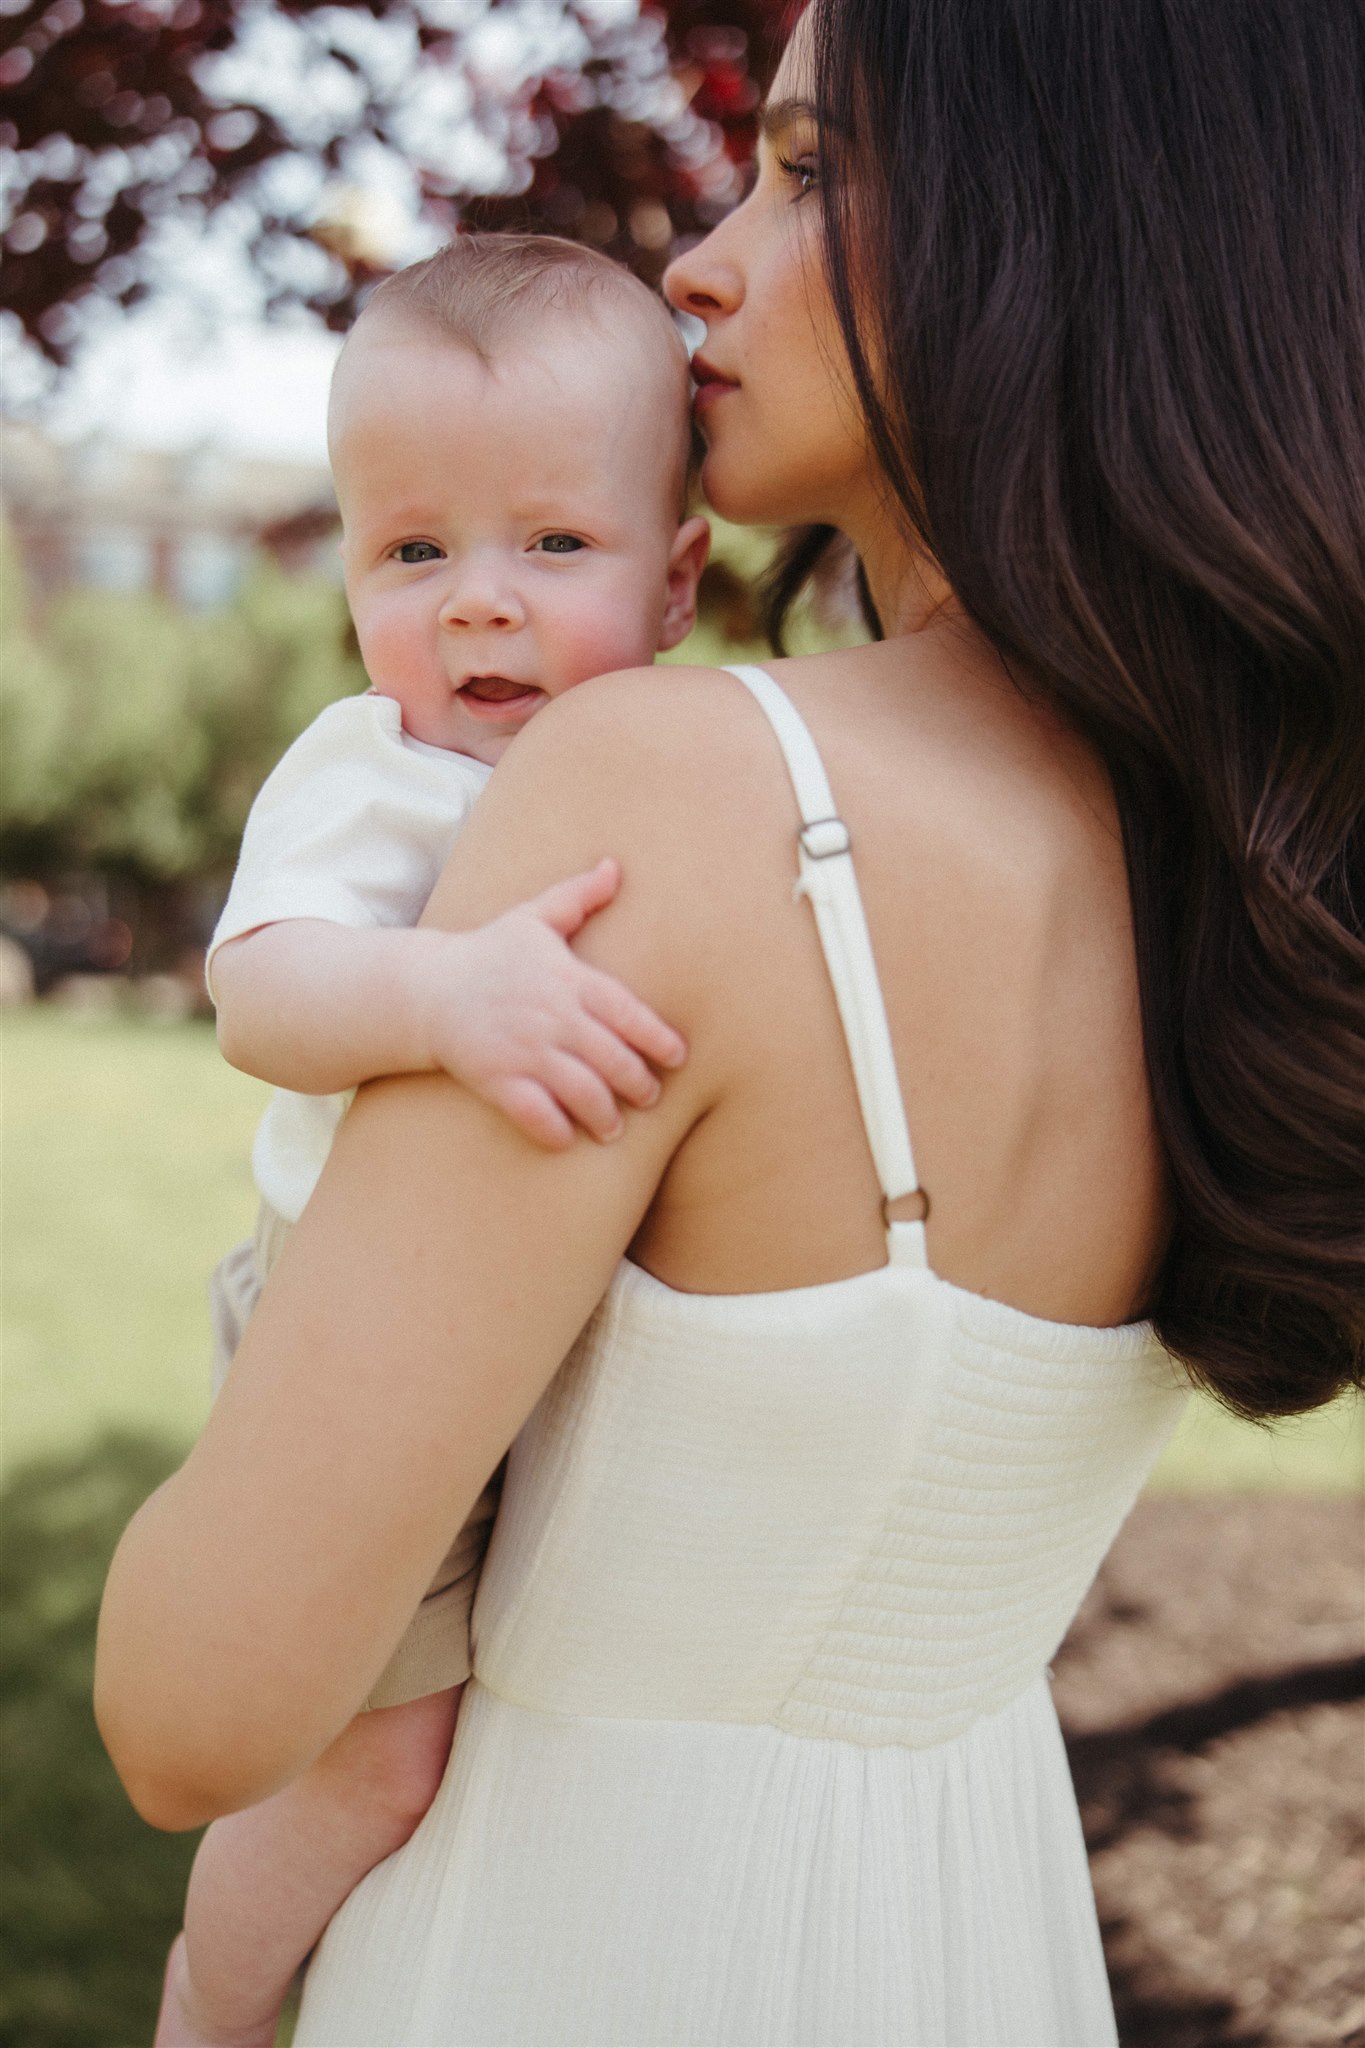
x: 615, y: 634
x: 396, y: 658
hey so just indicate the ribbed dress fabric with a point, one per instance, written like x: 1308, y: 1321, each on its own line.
x: 759, y: 1750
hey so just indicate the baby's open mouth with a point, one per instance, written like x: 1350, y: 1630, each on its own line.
x: 496, y: 689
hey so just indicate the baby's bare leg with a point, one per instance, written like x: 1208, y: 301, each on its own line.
x: 266, y: 1882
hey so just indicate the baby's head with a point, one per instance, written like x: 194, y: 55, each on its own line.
x: 509, y: 435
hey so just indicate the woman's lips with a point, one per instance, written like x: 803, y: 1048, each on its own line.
x: 711, y: 385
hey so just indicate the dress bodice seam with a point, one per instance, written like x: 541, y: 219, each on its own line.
x: 1049, y: 1339
x: 773, y: 1723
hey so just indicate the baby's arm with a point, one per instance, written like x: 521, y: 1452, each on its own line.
x: 509, y: 1010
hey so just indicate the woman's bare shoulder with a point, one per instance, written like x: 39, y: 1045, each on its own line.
x: 991, y: 769
x: 634, y: 763
x: 673, y: 773
x: 633, y: 717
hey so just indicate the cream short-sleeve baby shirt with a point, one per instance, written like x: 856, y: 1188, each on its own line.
x: 353, y: 825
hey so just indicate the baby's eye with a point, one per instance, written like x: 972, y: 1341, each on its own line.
x: 417, y: 551
x: 560, y: 543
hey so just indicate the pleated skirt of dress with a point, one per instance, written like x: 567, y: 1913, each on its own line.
x: 584, y: 1880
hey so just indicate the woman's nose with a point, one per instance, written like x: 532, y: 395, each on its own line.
x: 704, y: 281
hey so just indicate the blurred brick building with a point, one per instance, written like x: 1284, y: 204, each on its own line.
x: 101, y: 513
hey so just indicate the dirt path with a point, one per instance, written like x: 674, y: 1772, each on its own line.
x: 1213, y: 1695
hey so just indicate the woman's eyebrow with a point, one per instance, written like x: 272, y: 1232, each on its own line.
x: 775, y: 115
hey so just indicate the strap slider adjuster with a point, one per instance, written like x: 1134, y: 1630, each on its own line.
x: 824, y: 838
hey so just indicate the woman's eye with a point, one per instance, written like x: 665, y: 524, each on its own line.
x: 804, y: 170
x: 417, y: 551
x: 560, y: 543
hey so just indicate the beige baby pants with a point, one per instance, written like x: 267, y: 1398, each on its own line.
x: 434, y: 1653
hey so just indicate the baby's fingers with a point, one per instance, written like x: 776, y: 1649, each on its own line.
x: 567, y: 906
x: 533, y: 1109
x: 613, y: 1004
x: 624, y: 1072
x: 583, y: 1094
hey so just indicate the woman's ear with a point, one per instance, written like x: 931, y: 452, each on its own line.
x: 686, y: 560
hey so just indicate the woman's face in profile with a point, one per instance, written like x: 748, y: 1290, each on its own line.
x: 784, y: 436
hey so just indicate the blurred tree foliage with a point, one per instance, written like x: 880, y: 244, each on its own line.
x: 89, y: 1896
x: 280, y: 121
x: 133, y: 734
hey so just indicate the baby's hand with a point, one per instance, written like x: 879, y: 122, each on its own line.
x: 520, y: 1020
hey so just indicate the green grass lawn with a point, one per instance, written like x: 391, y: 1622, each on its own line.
x: 125, y: 1178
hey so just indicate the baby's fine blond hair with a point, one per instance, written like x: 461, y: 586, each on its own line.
x: 482, y: 289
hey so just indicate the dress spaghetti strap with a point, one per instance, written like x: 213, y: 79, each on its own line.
x: 828, y: 880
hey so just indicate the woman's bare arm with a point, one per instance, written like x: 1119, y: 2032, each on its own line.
x: 426, y: 1298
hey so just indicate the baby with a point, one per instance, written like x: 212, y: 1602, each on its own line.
x: 509, y: 438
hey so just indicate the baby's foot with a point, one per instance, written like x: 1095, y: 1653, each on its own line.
x: 179, y: 2024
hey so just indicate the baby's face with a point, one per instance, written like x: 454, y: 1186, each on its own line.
x: 510, y: 528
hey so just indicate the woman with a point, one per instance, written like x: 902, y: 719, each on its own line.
x: 1060, y: 323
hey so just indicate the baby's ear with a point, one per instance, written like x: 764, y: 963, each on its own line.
x: 686, y: 560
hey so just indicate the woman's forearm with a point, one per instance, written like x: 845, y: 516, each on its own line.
x: 171, y: 1757
x: 249, y: 1606
x: 229, y: 1657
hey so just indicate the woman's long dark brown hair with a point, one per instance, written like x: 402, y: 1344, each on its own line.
x: 1100, y: 267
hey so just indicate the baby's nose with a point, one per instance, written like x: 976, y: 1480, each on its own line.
x: 482, y: 604
x: 477, y: 615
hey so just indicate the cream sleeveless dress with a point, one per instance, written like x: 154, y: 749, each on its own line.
x: 759, y: 1747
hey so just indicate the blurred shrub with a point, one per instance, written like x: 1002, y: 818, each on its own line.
x: 90, y: 1897
x: 133, y: 735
